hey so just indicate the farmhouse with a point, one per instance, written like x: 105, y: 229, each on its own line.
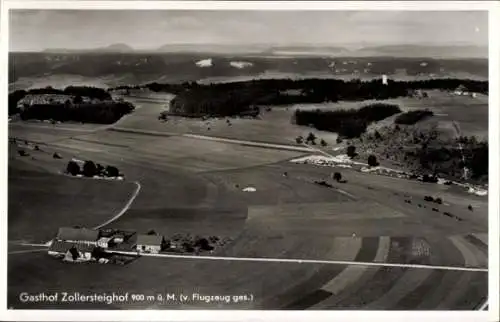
x: 78, y: 235
x: 73, y: 252
x: 149, y: 243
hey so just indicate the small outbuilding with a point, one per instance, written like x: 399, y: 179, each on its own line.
x: 72, y: 252
x: 149, y: 243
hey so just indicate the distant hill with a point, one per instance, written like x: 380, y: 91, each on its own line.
x: 114, y: 48
x: 444, y: 51
x: 210, y: 49
x: 306, y: 50
x: 301, y: 50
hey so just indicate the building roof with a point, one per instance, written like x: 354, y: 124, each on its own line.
x: 62, y: 247
x: 154, y: 240
x: 83, y: 234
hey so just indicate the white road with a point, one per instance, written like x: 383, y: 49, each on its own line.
x: 301, y: 261
x: 125, y: 208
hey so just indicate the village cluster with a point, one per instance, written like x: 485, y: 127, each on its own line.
x: 76, y: 244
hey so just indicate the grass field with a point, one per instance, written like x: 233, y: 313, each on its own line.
x: 48, y: 201
x: 260, y: 228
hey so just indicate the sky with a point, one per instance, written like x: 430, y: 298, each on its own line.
x: 35, y: 30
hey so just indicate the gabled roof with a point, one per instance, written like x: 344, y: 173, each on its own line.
x: 461, y: 88
x: 62, y: 247
x: 83, y: 234
x: 154, y: 240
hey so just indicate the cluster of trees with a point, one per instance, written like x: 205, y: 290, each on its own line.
x: 190, y: 244
x: 207, y: 102
x: 412, y: 117
x: 448, y: 159
x: 425, y: 151
x: 91, y: 169
x: 77, y: 91
x: 104, y: 112
x: 100, y: 113
x: 347, y: 123
x: 14, y: 98
x: 87, y: 91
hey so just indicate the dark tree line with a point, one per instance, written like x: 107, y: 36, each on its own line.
x: 412, y: 117
x: 347, y: 123
x: 100, y: 113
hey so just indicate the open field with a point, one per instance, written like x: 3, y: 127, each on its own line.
x: 317, y: 228
x: 190, y: 185
x: 40, y: 203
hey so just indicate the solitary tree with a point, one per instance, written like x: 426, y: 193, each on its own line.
x: 351, y: 151
x: 112, y: 171
x: 74, y: 253
x: 372, y: 161
x: 203, y: 244
x: 100, y: 169
x: 299, y: 139
x: 323, y: 143
x: 77, y: 100
x: 89, y: 169
x: 73, y: 168
x: 311, y: 138
x: 337, y: 176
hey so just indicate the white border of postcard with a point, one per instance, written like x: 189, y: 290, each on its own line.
x: 152, y: 315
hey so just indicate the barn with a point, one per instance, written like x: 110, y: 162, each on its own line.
x: 149, y: 243
x: 78, y: 235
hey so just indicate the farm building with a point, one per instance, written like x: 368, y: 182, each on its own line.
x: 149, y: 243
x: 78, y: 235
x: 461, y: 90
x: 119, y: 238
x: 110, y: 241
x: 104, y: 242
x: 72, y: 252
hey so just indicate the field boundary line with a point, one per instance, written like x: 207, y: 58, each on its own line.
x: 125, y: 208
x: 249, y: 143
x: 26, y: 251
x: 216, y: 139
x: 302, y: 261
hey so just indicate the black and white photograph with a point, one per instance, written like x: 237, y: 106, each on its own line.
x: 247, y: 159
